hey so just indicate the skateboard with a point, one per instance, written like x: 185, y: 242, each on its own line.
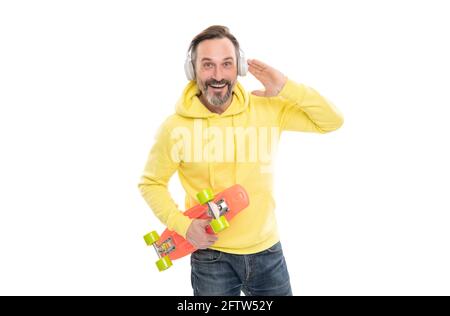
x: 221, y: 208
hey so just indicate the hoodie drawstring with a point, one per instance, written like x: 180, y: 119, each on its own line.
x: 235, y: 149
x: 210, y: 165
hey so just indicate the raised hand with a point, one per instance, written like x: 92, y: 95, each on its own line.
x: 272, y: 79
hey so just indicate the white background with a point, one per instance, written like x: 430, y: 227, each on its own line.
x: 84, y: 86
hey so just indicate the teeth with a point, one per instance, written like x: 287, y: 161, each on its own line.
x: 217, y: 86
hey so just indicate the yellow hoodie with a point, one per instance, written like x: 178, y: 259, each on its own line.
x: 211, y: 150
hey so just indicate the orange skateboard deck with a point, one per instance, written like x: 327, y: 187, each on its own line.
x: 227, y: 203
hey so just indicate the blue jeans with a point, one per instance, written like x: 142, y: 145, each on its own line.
x: 221, y: 274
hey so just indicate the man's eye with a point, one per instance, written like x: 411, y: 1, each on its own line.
x: 207, y: 65
x: 228, y: 64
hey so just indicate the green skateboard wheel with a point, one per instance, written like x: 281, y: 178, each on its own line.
x: 219, y: 224
x: 151, y: 238
x: 205, y: 196
x: 164, y: 263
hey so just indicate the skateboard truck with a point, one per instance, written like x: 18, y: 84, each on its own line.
x: 219, y: 222
x: 222, y: 206
x: 164, y: 262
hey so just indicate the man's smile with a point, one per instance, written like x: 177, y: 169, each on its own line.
x: 217, y: 87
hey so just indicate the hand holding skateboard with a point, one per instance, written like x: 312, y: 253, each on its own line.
x: 220, y: 210
x: 197, y: 235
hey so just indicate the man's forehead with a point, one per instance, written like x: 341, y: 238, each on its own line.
x: 216, y: 49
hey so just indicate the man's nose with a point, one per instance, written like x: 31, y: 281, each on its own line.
x: 218, y: 74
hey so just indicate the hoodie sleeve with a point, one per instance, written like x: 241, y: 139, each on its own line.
x: 160, y: 167
x: 301, y: 108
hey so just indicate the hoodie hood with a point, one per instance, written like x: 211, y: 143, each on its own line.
x: 189, y: 104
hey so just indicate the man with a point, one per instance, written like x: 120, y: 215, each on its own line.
x: 220, y: 136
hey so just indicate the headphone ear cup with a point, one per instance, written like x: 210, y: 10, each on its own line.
x: 243, y: 67
x: 189, y: 69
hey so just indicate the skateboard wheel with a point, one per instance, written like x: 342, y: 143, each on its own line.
x: 219, y: 224
x: 205, y: 196
x: 164, y: 263
x: 151, y: 238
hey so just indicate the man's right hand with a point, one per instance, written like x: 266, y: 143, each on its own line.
x: 197, y: 235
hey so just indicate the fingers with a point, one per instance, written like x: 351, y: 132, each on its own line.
x: 205, y: 243
x: 211, y: 238
x: 255, y: 72
x: 256, y: 69
x: 198, y: 237
x: 256, y: 64
x: 204, y: 222
x: 193, y: 242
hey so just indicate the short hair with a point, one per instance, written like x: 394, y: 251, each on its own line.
x: 212, y: 32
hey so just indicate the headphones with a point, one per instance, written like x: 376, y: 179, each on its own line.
x: 190, y: 72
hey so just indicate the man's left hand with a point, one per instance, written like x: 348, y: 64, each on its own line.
x: 272, y: 79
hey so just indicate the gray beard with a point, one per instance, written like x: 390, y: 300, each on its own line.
x: 216, y: 99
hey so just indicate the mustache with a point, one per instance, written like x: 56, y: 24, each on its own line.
x: 214, y: 82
